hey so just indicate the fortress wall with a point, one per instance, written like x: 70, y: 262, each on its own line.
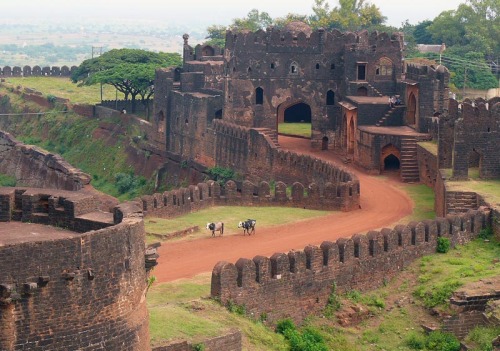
x: 298, y: 283
x: 34, y: 167
x: 79, y: 293
x: 36, y: 71
x: 428, y: 166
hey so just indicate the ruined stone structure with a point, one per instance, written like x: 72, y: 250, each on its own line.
x: 299, y: 283
x: 340, y: 82
x: 468, y: 136
x: 34, y: 167
x: 72, y: 277
x: 36, y: 71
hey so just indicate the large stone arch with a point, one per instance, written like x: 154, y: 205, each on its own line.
x: 390, y: 158
x: 282, y: 108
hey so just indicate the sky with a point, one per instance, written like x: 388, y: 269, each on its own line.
x: 204, y: 12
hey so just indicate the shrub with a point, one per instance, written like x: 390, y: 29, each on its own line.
x: 199, y: 347
x: 440, y: 341
x: 235, y: 308
x: 51, y: 98
x: 486, y: 233
x: 333, y: 303
x: 443, y: 245
x: 6, y: 180
x: 415, y: 341
x: 283, y: 325
x: 221, y: 175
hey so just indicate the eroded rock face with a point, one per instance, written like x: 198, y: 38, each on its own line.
x: 34, y: 167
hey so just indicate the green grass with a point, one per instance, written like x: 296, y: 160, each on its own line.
x: 299, y: 129
x: 430, y: 146
x: 180, y: 310
x: 64, y: 88
x: 423, y: 199
x: 6, y: 180
x: 230, y: 215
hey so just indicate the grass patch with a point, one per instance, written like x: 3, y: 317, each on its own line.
x: 6, y: 180
x: 181, y: 310
x: 423, y: 199
x: 299, y: 129
x: 230, y: 215
x: 430, y: 146
x: 64, y: 88
x: 481, y: 337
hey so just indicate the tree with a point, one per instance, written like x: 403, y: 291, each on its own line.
x: 130, y: 71
x: 281, y: 22
x: 254, y: 21
x: 216, y: 35
x: 351, y: 15
x: 421, y: 33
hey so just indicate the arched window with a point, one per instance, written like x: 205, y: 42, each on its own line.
x: 259, y: 96
x: 330, y: 97
x: 294, y: 68
x: 317, y: 66
x: 384, y: 67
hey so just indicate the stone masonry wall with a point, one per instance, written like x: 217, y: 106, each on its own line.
x: 299, y: 283
x: 228, y: 342
x: 427, y: 166
x: 35, y: 71
x: 80, y: 293
x: 33, y: 167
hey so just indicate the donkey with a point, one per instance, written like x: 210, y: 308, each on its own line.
x: 216, y: 227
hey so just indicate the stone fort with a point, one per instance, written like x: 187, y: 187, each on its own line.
x: 222, y: 107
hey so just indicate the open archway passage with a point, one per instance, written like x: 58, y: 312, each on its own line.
x: 298, y: 113
x: 391, y: 163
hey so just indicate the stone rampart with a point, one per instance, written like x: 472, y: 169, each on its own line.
x: 34, y: 167
x: 85, y: 291
x: 196, y: 197
x: 299, y: 283
x: 36, y: 71
x: 252, y: 153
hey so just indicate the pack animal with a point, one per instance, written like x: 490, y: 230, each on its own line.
x: 248, y: 226
x: 216, y: 227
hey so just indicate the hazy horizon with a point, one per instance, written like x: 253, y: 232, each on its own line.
x: 198, y: 13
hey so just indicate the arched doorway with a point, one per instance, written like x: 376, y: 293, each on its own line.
x: 351, y: 137
x: 390, y: 159
x: 411, y: 112
x: 391, y: 163
x: 294, y: 119
x: 324, y: 143
x: 160, y: 122
x: 362, y: 91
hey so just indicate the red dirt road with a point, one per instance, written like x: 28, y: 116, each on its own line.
x: 382, y: 204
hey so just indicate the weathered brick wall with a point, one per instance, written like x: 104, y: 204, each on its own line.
x: 299, y: 283
x: 477, y: 131
x: 80, y: 293
x: 35, y: 71
x: 427, y: 166
x: 228, y: 342
x: 34, y: 167
x: 196, y: 197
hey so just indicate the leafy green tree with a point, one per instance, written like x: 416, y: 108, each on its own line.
x: 130, y: 71
x: 254, y: 21
x: 421, y: 33
x: 216, y: 35
x: 351, y: 15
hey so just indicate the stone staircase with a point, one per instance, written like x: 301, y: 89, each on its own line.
x: 460, y: 202
x: 375, y: 91
x: 409, y: 164
x: 387, y: 116
x: 272, y: 134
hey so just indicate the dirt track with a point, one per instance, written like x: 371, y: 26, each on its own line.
x: 382, y: 204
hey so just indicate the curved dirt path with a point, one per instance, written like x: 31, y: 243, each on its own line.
x: 382, y: 204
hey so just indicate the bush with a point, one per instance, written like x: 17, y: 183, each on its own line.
x: 283, y: 325
x: 221, y: 175
x: 309, y: 340
x: 443, y: 245
x: 128, y: 183
x: 415, y: 341
x: 440, y: 341
x: 6, y: 180
x: 51, y: 98
x: 486, y: 233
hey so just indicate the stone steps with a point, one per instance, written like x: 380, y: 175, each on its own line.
x: 408, y: 158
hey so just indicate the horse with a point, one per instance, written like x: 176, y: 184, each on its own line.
x: 248, y: 226
x: 216, y: 227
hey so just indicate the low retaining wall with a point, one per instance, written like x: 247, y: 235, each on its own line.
x: 299, y: 283
x: 228, y: 342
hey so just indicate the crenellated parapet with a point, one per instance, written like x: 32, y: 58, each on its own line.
x: 76, y: 274
x: 36, y: 71
x: 298, y: 283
